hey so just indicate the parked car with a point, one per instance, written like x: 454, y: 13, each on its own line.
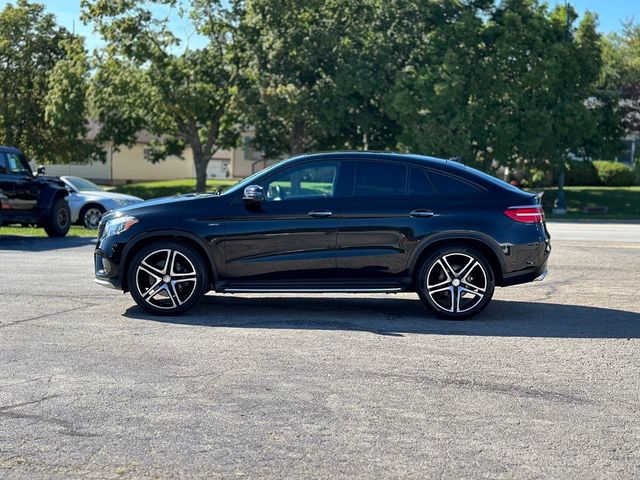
x: 88, y: 202
x: 27, y: 198
x: 338, y: 222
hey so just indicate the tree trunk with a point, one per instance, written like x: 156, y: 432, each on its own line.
x: 201, y: 161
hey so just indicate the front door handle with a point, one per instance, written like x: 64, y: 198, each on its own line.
x: 320, y: 213
x: 422, y: 213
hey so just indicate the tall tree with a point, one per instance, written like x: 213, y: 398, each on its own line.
x: 43, y: 79
x: 146, y: 78
x: 321, y: 69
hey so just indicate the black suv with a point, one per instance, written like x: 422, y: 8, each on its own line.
x: 337, y: 222
x: 27, y: 199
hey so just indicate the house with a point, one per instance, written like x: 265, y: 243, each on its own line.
x: 131, y: 164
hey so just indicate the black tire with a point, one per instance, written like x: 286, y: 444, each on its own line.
x: 88, y: 222
x: 456, y: 282
x: 58, y: 222
x: 150, y: 271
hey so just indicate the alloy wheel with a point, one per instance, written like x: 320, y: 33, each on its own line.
x: 456, y: 282
x: 166, y: 279
x: 92, y: 217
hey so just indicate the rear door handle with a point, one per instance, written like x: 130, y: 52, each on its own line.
x: 320, y: 213
x: 422, y: 213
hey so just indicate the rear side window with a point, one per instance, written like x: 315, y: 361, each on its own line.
x: 450, y: 185
x: 3, y: 163
x: 419, y: 183
x: 375, y: 179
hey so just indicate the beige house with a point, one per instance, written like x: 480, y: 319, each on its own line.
x: 129, y: 165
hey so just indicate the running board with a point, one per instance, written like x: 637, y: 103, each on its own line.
x: 312, y: 290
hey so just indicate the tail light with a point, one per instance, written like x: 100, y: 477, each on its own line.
x: 525, y: 214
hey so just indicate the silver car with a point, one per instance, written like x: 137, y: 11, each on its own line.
x: 88, y: 202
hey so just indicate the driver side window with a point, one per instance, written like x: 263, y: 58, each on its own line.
x: 310, y: 180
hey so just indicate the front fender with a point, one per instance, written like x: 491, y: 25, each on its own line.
x: 49, y: 194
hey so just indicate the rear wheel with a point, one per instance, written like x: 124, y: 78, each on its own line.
x: 456, y: 282
x: 167, y: 278
x: 59, y: 220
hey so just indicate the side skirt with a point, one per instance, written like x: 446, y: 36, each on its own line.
x: 302, y: 286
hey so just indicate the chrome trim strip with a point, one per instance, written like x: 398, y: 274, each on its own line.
x: 104, y: 283
x: 312, y: 290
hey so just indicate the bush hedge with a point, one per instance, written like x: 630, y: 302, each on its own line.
x: 614, y: 174
x: 582, y: 174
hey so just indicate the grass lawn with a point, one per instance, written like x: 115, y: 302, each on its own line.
x: 622, y: 202
x: 169, y: 188
x: 75, y: 231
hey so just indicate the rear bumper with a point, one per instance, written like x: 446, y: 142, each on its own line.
x: 534, y: 274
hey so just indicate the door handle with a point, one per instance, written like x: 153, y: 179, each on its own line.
x: 422, y: 213
x: 320, y: 213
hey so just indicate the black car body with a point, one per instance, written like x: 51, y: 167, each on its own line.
x: 26, y: 198
x: 336, y: 222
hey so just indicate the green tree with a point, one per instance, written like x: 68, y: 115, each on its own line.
x: 322, y: 70
x: 146, y: 79
x: 43, y: 80
x: 501, y: 85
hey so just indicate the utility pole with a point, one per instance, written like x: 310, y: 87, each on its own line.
x: 560, y: 204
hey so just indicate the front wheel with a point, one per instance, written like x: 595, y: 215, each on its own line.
x: 59, y: 220
x: 456, y: 282
x: 167, y: 278
x: 91, y: 216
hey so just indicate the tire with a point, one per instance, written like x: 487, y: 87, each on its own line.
x: 167, y: 278
x: 58, y: 222
x: 90, y: 216
x: 456, y: 283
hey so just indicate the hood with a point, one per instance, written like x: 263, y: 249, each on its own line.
x: 109, y: 195
x: 160, y: 206
x: 55, y: 181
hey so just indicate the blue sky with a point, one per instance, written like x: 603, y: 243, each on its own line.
x: 610, y: 12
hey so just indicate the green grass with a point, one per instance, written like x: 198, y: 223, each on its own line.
x: 623, y: 202
x: 75, y: 231
x: 170, y: 188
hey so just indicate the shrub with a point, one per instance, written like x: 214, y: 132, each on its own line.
x: 614, y: 174
x: 581, y: 173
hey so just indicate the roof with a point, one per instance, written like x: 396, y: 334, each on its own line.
x: 10, y: 149
x: 359, y: 154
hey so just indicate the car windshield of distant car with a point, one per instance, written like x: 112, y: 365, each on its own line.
x: 83, y: 185
x: 17, y: 165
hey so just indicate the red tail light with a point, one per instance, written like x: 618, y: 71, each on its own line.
x: 525, y: 214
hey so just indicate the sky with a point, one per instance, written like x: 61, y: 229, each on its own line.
x: 611, y: 13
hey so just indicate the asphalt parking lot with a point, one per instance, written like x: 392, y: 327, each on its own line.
x: 545, y: 383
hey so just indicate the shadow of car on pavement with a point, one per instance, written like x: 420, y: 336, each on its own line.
x: 42, y: 244
x: 398, y: 316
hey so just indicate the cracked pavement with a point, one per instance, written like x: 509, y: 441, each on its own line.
x: 544, y: 384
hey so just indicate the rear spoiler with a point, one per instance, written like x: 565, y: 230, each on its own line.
x: 538, y: 196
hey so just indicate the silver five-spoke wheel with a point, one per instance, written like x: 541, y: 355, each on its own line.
x: 167, y: 278
x: 456, y: 282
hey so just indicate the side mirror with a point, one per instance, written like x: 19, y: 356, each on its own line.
x: 253, y: 194
x: 40, y: 170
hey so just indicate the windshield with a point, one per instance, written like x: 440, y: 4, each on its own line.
x: 82, y: 185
